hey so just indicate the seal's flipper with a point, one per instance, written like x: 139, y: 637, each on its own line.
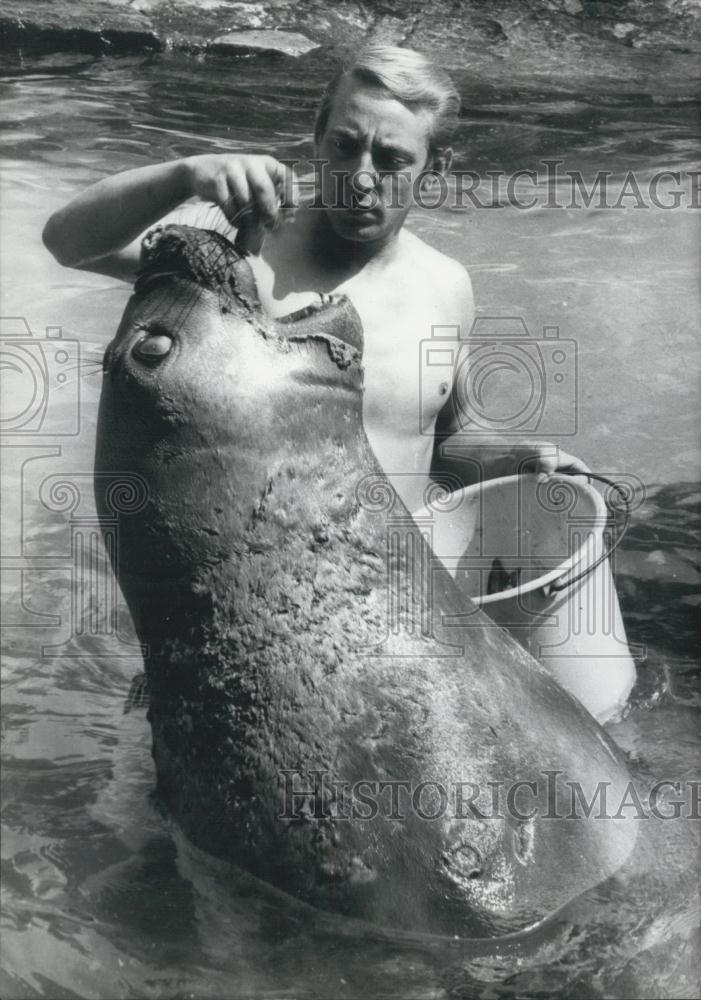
x: 138, y: 695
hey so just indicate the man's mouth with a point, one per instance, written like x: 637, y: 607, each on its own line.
x: 362, y: 204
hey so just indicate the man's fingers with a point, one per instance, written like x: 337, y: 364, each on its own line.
x: 539, y: 458
x: 240, y: 185
x: 547, y: 459
x: 250, y: 234
x: 284, y: 184
x: 263, y: 193
x: 282, y: 177
x: 563, y: 464
x: 238, y: 193
x: 272, y: 187
x: 575, y: 468
x: 216, y: 190
x: 250, y: 190
x: 571, y: 465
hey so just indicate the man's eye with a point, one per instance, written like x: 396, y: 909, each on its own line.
x: 344, y: 145
x: 390, y: 163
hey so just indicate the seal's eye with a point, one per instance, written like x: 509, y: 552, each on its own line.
x: 154, y: 346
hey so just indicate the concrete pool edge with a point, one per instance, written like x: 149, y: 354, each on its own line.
x: 464, y: 35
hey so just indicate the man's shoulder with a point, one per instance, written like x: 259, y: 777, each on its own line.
x: 448, y: 273
x: 448, y: 279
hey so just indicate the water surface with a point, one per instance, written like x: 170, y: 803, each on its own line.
x: 103, y: 898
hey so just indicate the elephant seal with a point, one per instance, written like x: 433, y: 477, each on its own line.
x: 423, y: 778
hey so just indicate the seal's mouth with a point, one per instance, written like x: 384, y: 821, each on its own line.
x: 208, y: 260
x: 201, y: 256
x: 317, y: 313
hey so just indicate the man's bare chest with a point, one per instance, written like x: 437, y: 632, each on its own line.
x: 400, y: 310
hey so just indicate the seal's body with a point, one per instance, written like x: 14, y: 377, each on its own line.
x: 263, y: 572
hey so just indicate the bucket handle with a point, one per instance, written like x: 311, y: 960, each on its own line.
x: 555, y: 586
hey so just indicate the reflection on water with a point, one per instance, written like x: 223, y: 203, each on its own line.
x: 659, y: 571
x: 103, y: 898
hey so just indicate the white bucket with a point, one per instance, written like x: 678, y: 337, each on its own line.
x: 530, y: 552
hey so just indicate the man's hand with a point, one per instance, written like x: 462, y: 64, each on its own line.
x: 546, y: 458
x: 472, y: 461
x: 249, y: 189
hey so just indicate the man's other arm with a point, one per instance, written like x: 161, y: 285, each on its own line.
x: 461, y: 457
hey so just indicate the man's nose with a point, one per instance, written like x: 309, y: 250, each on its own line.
x: 366, y: 176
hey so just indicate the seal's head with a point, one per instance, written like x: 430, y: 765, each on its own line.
x: 205, y: 396
x: 194, y: 333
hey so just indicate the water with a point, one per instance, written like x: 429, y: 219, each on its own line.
x: 102, y: 897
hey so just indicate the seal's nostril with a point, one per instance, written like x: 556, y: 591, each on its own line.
x: 153, y: 346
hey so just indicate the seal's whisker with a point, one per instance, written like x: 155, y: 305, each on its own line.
x: 74, y: 381
x: 174, y: 252
x: 183, y: 312
x: 216, y: 216
x: 92, y: 364
x: 210, y: 216
x: 83, y: 362
x: 242, y: 213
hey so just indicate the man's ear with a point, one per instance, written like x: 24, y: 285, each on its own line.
x: 439, y: 162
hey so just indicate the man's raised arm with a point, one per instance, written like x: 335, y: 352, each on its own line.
x: 100, y: 228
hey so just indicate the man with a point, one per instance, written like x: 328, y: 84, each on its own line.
x: 382, y: 131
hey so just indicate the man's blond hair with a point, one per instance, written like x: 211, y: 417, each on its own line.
x: 410, y: 78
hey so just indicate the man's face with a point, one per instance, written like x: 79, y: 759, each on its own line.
x: 373, y: 150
